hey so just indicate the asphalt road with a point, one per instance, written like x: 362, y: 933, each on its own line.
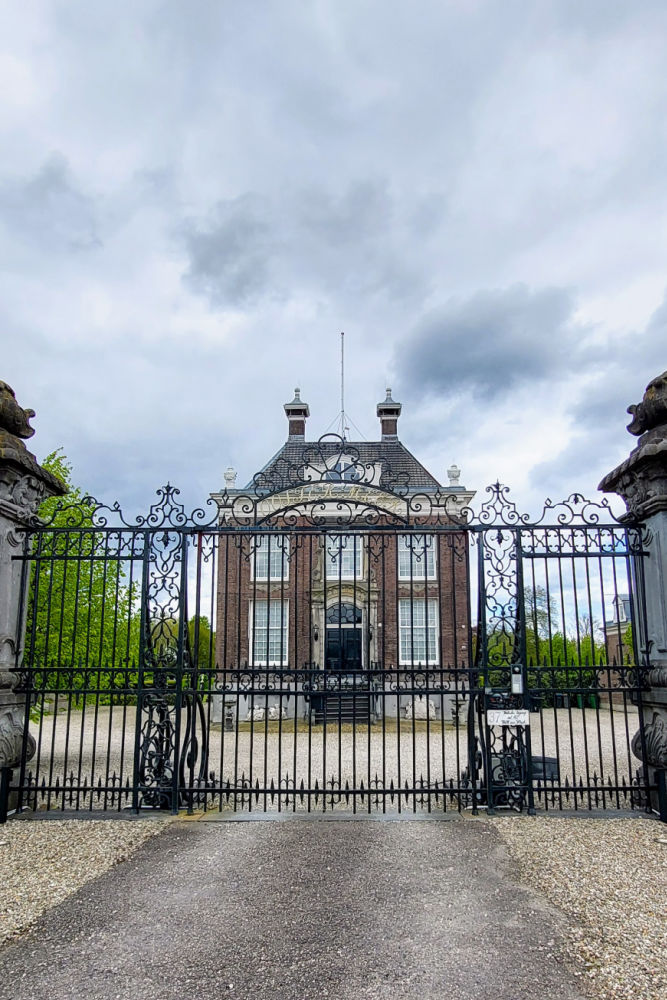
x: 299, y: 909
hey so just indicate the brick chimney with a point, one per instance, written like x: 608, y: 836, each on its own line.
x: 389, y: 412
x: 296, y: 412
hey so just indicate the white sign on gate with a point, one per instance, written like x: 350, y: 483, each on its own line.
x: 508, y: 717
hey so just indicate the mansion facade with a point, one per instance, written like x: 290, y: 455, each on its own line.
x: 342, y: 556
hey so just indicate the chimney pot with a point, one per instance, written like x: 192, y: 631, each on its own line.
x: 297, y: 412
x: 389, y: 411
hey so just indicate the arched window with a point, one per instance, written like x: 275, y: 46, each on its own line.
x: 344, y: 614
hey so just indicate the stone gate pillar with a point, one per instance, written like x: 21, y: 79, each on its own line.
x: 641, y: 480
x: 23, y: 485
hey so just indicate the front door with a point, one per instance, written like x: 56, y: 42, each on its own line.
x: 343, y: 649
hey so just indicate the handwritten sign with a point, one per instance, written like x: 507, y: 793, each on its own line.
x: 508, y: 717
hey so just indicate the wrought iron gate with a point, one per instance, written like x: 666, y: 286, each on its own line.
x: 322, y: 643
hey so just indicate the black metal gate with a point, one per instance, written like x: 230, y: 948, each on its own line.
x: 319, y: 644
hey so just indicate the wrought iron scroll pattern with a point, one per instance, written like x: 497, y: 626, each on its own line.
x: 167, y: 511
x: 160, y: 694
x: 499, y: 509
x: 500, y: 590
x: 173, y: 743
x: 331, y: 459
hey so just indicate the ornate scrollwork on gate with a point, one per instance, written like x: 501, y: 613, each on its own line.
x: 329, y: 483
x: 166, y: 511
x: 293, y: 500
x: 160, y: 669
x: 157, y: 748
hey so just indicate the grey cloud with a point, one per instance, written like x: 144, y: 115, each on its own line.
x: 189, y: 465
x: 654, y: 343
x: 429, y: 213
x: 618, y: 373
x: 133, y: 418
x: 591, y: 453
x: 604, y: 407
x: 329, y: 242
x: 357, y: 176
x: 48, y: 210
x: 230, y: 254
x: 491, y: 343
x: 362, y: 212
x: 614, y: 377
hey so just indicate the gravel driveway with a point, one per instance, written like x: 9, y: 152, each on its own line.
x: 44, y: 863
x: 608, y: 876
x: 349, y: 909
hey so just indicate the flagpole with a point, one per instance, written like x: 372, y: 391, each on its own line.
x: 342, y: 384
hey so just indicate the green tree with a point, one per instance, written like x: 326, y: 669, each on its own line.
x: 540, y: 612
x: 200, y: 640
x: 628, y: 647
x: 555, y: 660
x: 82, y: 612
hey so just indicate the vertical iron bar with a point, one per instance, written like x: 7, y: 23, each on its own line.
x: 143, y: 654
x: 523, y: 653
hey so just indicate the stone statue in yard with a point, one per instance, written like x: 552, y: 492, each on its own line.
x: 422, y: 709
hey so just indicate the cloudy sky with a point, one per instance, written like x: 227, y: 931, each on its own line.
x: 195, y: 198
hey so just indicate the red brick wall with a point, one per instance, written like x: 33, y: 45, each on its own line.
x: 232, y: 604
x: 236, y: 590
x: 297, y: 427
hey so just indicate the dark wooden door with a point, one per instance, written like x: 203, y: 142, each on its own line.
x: 343, y: 649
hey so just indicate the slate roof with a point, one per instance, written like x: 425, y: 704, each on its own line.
x: 396, y: 460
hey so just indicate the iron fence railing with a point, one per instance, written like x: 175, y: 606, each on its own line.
x: 378, y: 650
x: 307, y: 739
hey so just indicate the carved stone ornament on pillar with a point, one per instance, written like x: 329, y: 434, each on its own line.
x: 641, y: 480
x: 23, y: 486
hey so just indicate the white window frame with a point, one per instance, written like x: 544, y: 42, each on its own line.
x: 346, y: 470
x: 346, y: 544
x: 261, y: 660
x: 415, y: 617
x: 262, y: 545
x: 419, y: 553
